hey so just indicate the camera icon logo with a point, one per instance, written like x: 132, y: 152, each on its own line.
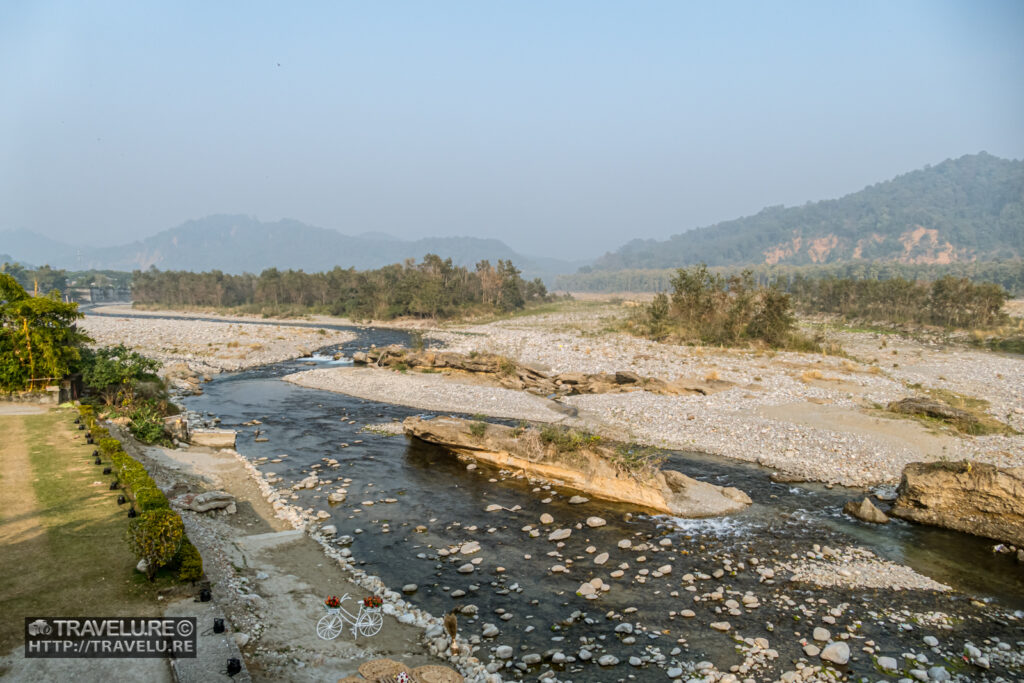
x: 40, y: 627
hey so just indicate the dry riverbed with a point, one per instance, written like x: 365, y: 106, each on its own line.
x: 812, y: 416
x: 208, y: 347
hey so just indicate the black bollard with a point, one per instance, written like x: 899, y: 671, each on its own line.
x: 234, y: 666
x: 218, y: 625
x: 106, y: 470
x: 205, y: 595
x: 95, y: 453
x: 132, y: 513
x: 78, y: 420
x: 121, y: 500
x: 98, y: 461
x: 88, y: 439
x: 113, y: 486
x: 81, y: 427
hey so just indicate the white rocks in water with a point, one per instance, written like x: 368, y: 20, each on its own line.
x: 812, y: 650
x: 665, y: 569
x: 584, y: 655
x: 546, y: 519
x: 721, y: 625
x: 837, y: 653
x: 594, y: 522
x: 938, y: 673
x: 821, y: 634
x: 493, y: 507
x: 585, y: 590
x: 410, y: 588
x: 578, y: 500
x: 466, y: 568
x: 503, y: 652
x: 601, y: 559
x: 635, y: 661
x: 560, y: 534
x: 624, y: 627
x: 688, y: 613
x: 336, y: 498
x: 531, y: 658
x: 558, y: 658
x: 888, y: 664
x: 607, y: 660
x: 674, y: 672
x: 309, y: 482
x: 489, y: 631
x: 931, y: 641
x: 558, y: 569
x: 323, y: 514
x: 470, y: 548
x: 328, y: 529
x: 625, y: 543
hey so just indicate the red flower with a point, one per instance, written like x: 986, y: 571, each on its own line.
x: 332, y: 602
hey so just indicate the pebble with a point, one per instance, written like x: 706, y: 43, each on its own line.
x: 837, y: 653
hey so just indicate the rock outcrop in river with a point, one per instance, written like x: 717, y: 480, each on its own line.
x: 591, y: 468
x: 972, y: 497
x: 512, y: 375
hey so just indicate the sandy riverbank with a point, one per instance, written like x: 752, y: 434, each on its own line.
x: 431, y: 392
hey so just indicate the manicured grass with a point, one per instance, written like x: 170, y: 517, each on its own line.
x: 64, y: 553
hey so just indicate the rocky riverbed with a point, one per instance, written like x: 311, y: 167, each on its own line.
x: 787, y: 590
x: 210, y: 346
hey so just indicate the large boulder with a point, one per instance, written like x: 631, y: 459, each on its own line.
x: 213, y: 438
x: 972, y: 497
x: 594, y: 469
x: 204, y: 502
x: 865, y: 511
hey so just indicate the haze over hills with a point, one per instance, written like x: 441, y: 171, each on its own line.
x: 965, y: 209
x: 237, y: 244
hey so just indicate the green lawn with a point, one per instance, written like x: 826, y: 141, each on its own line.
x: 62, y: 535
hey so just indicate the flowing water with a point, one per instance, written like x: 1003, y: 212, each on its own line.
x: 433, y: 489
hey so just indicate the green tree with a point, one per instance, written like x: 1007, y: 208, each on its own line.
x: 38, y: 338
x: 114, y: 371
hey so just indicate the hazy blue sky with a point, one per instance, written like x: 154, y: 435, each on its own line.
x: 557, y: 126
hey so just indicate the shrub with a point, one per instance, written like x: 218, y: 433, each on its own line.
x: 190, y: 562
x: 108, y: 446
x: 156, y: 536
x: 149, y: 497
x: 478, y: 429
x: 567, y: 440
x: 147, y: 424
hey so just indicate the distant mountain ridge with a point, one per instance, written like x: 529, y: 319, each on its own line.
x: 237, y: 244
x: 965, y: 209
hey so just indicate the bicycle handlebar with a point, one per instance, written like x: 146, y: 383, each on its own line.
x: 344, y: 597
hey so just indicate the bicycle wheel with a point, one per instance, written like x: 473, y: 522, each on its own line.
x: 370, y: 624
x: 329, y: 626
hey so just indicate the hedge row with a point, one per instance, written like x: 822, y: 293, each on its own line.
x: 157, y: 535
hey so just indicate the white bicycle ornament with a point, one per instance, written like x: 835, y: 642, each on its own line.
x: 367, y: 622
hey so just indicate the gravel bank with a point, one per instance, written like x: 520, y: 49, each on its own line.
x: 430, y: 392
x: 809, y: 415
x: 210, y: 347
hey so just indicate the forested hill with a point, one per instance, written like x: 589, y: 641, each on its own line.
x: 237, y: 244
x: 971, y: 208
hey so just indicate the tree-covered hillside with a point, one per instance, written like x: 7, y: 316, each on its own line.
x: 965, y: 209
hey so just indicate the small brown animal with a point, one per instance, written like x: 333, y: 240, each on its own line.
x: 451, y: 627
